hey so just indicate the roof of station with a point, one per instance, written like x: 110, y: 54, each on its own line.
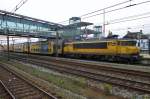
x: 52, y: 24
x: 77, y: 25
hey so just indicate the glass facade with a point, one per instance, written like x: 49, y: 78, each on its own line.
x: 20, y: 25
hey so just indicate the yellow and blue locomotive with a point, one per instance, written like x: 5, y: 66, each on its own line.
x: 108, y: 49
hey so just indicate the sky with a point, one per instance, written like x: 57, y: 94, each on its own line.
x: 61, y: 10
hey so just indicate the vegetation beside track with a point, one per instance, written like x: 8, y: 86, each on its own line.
x: 41, y: 82
x: 79, y: 87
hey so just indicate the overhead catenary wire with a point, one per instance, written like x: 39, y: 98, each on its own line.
x: 139, y: 16
x: 129, y: 20
x: 131, y: 5
x: 132, y: 27
x: 133, y: 16
x: 101, y: 9
x: 117, y: 9
x: 19, y: 5
x: 125, y: 19
x: 107, y: 7
x: 103, y: 12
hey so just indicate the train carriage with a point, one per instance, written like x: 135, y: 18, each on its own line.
x: 11, y: 48
x: 26, y: 48
x: 18, y: 47
x: 42, y: 47
x: 50, y: 47
x: 35, y: 48
x: 47, y: 47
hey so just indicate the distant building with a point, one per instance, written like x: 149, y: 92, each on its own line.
x: 135, y: 35
x: 143, y: 40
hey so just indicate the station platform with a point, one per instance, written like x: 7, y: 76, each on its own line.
x: 145, y: 56
x: 145, y: 59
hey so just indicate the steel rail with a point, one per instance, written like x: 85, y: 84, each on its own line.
x: 94, y: 76
x: 28, y: 82
x: 100, y: 66
x: 8, y: 91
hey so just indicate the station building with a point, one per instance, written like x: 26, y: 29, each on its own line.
x: 143, y: 40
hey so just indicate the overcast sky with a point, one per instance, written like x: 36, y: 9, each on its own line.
x: 60, y: 10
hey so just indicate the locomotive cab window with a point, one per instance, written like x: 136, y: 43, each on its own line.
x: 112, y: 43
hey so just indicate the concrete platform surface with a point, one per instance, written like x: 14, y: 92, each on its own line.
x: 145, y: 56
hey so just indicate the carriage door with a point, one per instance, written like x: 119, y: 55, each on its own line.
x: 118, y: 47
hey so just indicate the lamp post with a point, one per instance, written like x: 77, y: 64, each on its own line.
x: 57, y: 38
x: 7, y: 32
x: 103, y: 34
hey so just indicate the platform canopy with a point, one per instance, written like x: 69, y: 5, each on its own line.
x: 20, y: 25
x: 77, y: 25
x: 73, y: 30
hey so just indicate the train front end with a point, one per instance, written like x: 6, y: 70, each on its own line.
x: 129, y: 50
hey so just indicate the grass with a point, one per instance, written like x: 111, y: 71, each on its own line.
x: 66, y: 83
x: 76, y: 86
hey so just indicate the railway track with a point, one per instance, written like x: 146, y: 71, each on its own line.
x: 106, y: 67
x: 14, y: 86
x: 4, y: 92
x: 94, y: 72
x: 138, y: 86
